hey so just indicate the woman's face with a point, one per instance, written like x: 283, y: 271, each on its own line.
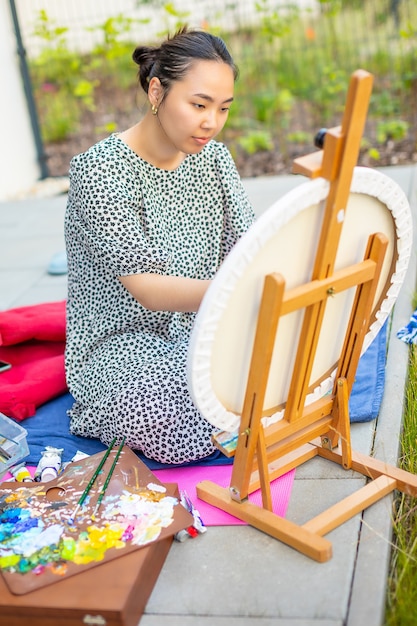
x: 196, y: 107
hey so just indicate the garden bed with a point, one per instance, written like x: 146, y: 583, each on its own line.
x: 260, y: 163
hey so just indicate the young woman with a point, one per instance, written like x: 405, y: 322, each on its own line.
x: 152, y: 213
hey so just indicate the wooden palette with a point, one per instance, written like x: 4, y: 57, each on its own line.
x: 114, y: 594
x: 135, y: 512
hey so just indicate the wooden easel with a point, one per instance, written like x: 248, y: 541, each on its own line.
x: 322, y: 427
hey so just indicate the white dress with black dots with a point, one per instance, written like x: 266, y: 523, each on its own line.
x: 126, y: 365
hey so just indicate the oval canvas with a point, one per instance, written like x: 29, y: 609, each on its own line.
x: 284, y: 240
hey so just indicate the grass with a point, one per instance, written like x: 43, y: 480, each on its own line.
x: 401, y: 606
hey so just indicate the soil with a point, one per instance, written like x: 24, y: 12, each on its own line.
x: 262, y: 163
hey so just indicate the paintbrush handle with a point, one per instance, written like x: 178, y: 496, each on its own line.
x: 109, y: 475
x: 96, y: 473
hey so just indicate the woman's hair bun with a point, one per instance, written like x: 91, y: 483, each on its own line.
x: 145, y: 57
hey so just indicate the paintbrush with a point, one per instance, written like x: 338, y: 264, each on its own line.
x: 108, y: 478
x: 92, y: 481
x: 4, y: 455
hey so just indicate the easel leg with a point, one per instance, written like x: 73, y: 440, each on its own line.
x: 264, y: 472
x: 341, y: 431
x: 250, y: 424
x: 344, y: 422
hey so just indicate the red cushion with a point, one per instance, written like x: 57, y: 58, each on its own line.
x: 45, y: 322
x: 36, y: 376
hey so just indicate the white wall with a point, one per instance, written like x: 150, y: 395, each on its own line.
x: 19, y: 169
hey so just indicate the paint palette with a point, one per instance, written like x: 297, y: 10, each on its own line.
x: 40, y: 541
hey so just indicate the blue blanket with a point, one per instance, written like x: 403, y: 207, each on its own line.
x: 49, y: 426
x: 368, y: 389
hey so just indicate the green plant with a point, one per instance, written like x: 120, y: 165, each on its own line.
x: 295, y: 67
x: 60, y: 86
x: 108, y: 128
x: 374, y: 154
x: 368, y: 149
x: 276, y: 23
x: 300, y: 136
x: 174, y: 19
x: 391, y: 129
x: 60, y: 117
x: 331, y: 7
x: 56, y: 64
x: 270, y: 105
x: 381, y: 62
x: 273, y: 109
x: 326, y: 95
x: 384, y: 104
x: 255, y: 141
x: 111, y: 59
x: 84, y: 90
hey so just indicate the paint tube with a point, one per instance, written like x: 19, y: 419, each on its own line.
x: 78, y: 456
x: 49, y: 465
x: 197, y: 527
x: 198, y: 522
x: 21, y: 473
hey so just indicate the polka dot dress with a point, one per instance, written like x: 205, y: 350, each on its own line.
x: 126, y: 365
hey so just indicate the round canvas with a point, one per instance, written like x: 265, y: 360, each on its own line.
x: 284, y: 240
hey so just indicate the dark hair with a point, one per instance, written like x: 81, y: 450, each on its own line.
x: 173, y: 58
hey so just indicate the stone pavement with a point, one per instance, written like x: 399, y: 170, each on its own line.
x: 238, y: 576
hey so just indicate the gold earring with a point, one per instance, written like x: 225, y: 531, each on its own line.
x: 154, y: 109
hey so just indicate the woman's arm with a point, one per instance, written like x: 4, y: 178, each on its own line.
x: 166, y: 293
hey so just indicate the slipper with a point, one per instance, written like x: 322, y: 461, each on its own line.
x: 58, y: 264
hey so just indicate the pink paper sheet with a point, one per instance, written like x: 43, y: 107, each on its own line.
x: 188, y: 477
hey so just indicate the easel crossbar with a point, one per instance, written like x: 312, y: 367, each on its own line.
x: 317, y: 290
x: 373, y: 468
x: 351, y: 505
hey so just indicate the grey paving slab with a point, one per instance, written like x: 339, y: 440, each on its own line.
x: 238, y: 575
x: 29, y: 285
x: 239, y: 571
x: 31, y: 232
x: 34, y: 255
x: 14, y: 284
x: 33, y: 219
x: 263, y: 191
x: 49, y: 291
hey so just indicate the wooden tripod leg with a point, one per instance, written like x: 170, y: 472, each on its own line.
x: 250, y: 423
x: 343, y: 422
x: 264, y: 477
